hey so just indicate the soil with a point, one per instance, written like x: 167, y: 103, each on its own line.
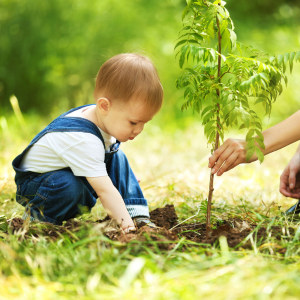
x: 165, y: 236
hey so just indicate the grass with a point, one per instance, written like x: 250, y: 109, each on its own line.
x: 173, y: 168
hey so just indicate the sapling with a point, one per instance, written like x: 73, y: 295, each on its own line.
x: 228, y: 78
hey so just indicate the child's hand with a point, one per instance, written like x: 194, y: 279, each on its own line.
x: 128, y: 229
x: 231, y: 153
x: 290, y: 178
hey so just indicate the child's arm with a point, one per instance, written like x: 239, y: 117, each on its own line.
x: 290, y: 177
x: 233, y: 153
x: 112, y: 201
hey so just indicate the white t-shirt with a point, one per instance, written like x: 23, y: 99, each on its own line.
x: 82, y: 152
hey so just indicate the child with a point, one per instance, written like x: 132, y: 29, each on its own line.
x: 77, y: 159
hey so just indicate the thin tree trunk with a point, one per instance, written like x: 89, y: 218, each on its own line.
x: 211, y: 180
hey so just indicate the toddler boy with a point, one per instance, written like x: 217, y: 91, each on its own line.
x: 77, y: 159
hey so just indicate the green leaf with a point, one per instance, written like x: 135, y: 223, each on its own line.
x: 213, y: 54
x: 183, y: 51
x: 208, y: 125
x: 232, y: 39
x: 245, y: 117
x: 206, y: 109
x: 259, y: 134
x: 210, y: 28
x: 186, y: 11
x: 260, y: 99
x: 264, y: 76
x: 180, y: 43
x: 249, y: 135
x: 233, y: 115
x: 280, y: 60
x: 197, y: 36
x: 285, y: 80
x: 259, y: 154
x: 260, y: 68
x: 228, y: 108
x: 285, y: 60
x: 207, y: 117
x: 185, y: 28
x: 210, y: 130
x: 223, y: 26
x: 260, y: 143
x: 212, y: 137
x: 258, y: 125
x: 249, y: 153
x: 239, y: 49
x: 225, y: 39
x: 292, y: 61
x: 187, y: 91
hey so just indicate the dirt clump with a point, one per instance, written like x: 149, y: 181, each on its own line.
x: 165, y: 217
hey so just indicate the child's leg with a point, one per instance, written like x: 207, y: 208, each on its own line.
x: 125, y: 181
x: 55, y: 196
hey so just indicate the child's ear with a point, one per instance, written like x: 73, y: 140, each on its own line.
x: 103, y: 105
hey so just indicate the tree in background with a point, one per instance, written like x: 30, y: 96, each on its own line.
x: 51, y: 50
x: 224, y: 85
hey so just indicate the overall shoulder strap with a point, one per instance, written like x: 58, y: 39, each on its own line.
x: 64, y: 124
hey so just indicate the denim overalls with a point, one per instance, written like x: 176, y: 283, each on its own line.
x: 60, y: 195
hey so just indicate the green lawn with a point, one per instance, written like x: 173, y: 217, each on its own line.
x: 172, y: 165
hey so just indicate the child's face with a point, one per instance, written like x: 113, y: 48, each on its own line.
x: 126, y: 121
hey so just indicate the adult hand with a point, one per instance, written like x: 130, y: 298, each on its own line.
x: 290, y: 178
x: 228, y: 156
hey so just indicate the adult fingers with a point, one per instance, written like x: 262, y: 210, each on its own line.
x: 287, y: 192
x: 233, y: 165
x: 212, y: 160
x: 284, y: 182
x: 228, y: 163
x: 227, y: 154
x: 294, y: 195
x: 292, y: 178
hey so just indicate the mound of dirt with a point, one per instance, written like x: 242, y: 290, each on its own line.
x: 164, y: 217
x: 164, y: 236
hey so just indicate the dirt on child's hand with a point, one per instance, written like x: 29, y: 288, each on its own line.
x: 128, y: 229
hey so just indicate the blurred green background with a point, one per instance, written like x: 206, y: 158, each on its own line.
x: 50, y: 51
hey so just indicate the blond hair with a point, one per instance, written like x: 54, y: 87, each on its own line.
x: 129, y: 76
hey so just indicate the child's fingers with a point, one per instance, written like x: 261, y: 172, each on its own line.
x: 128, y: 229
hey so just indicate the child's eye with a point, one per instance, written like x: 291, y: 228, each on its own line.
x: 133, y: 123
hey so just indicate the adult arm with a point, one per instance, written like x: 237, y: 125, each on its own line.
x: 290, y: 177
x: 112, y: 201
x: 233, y: 152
